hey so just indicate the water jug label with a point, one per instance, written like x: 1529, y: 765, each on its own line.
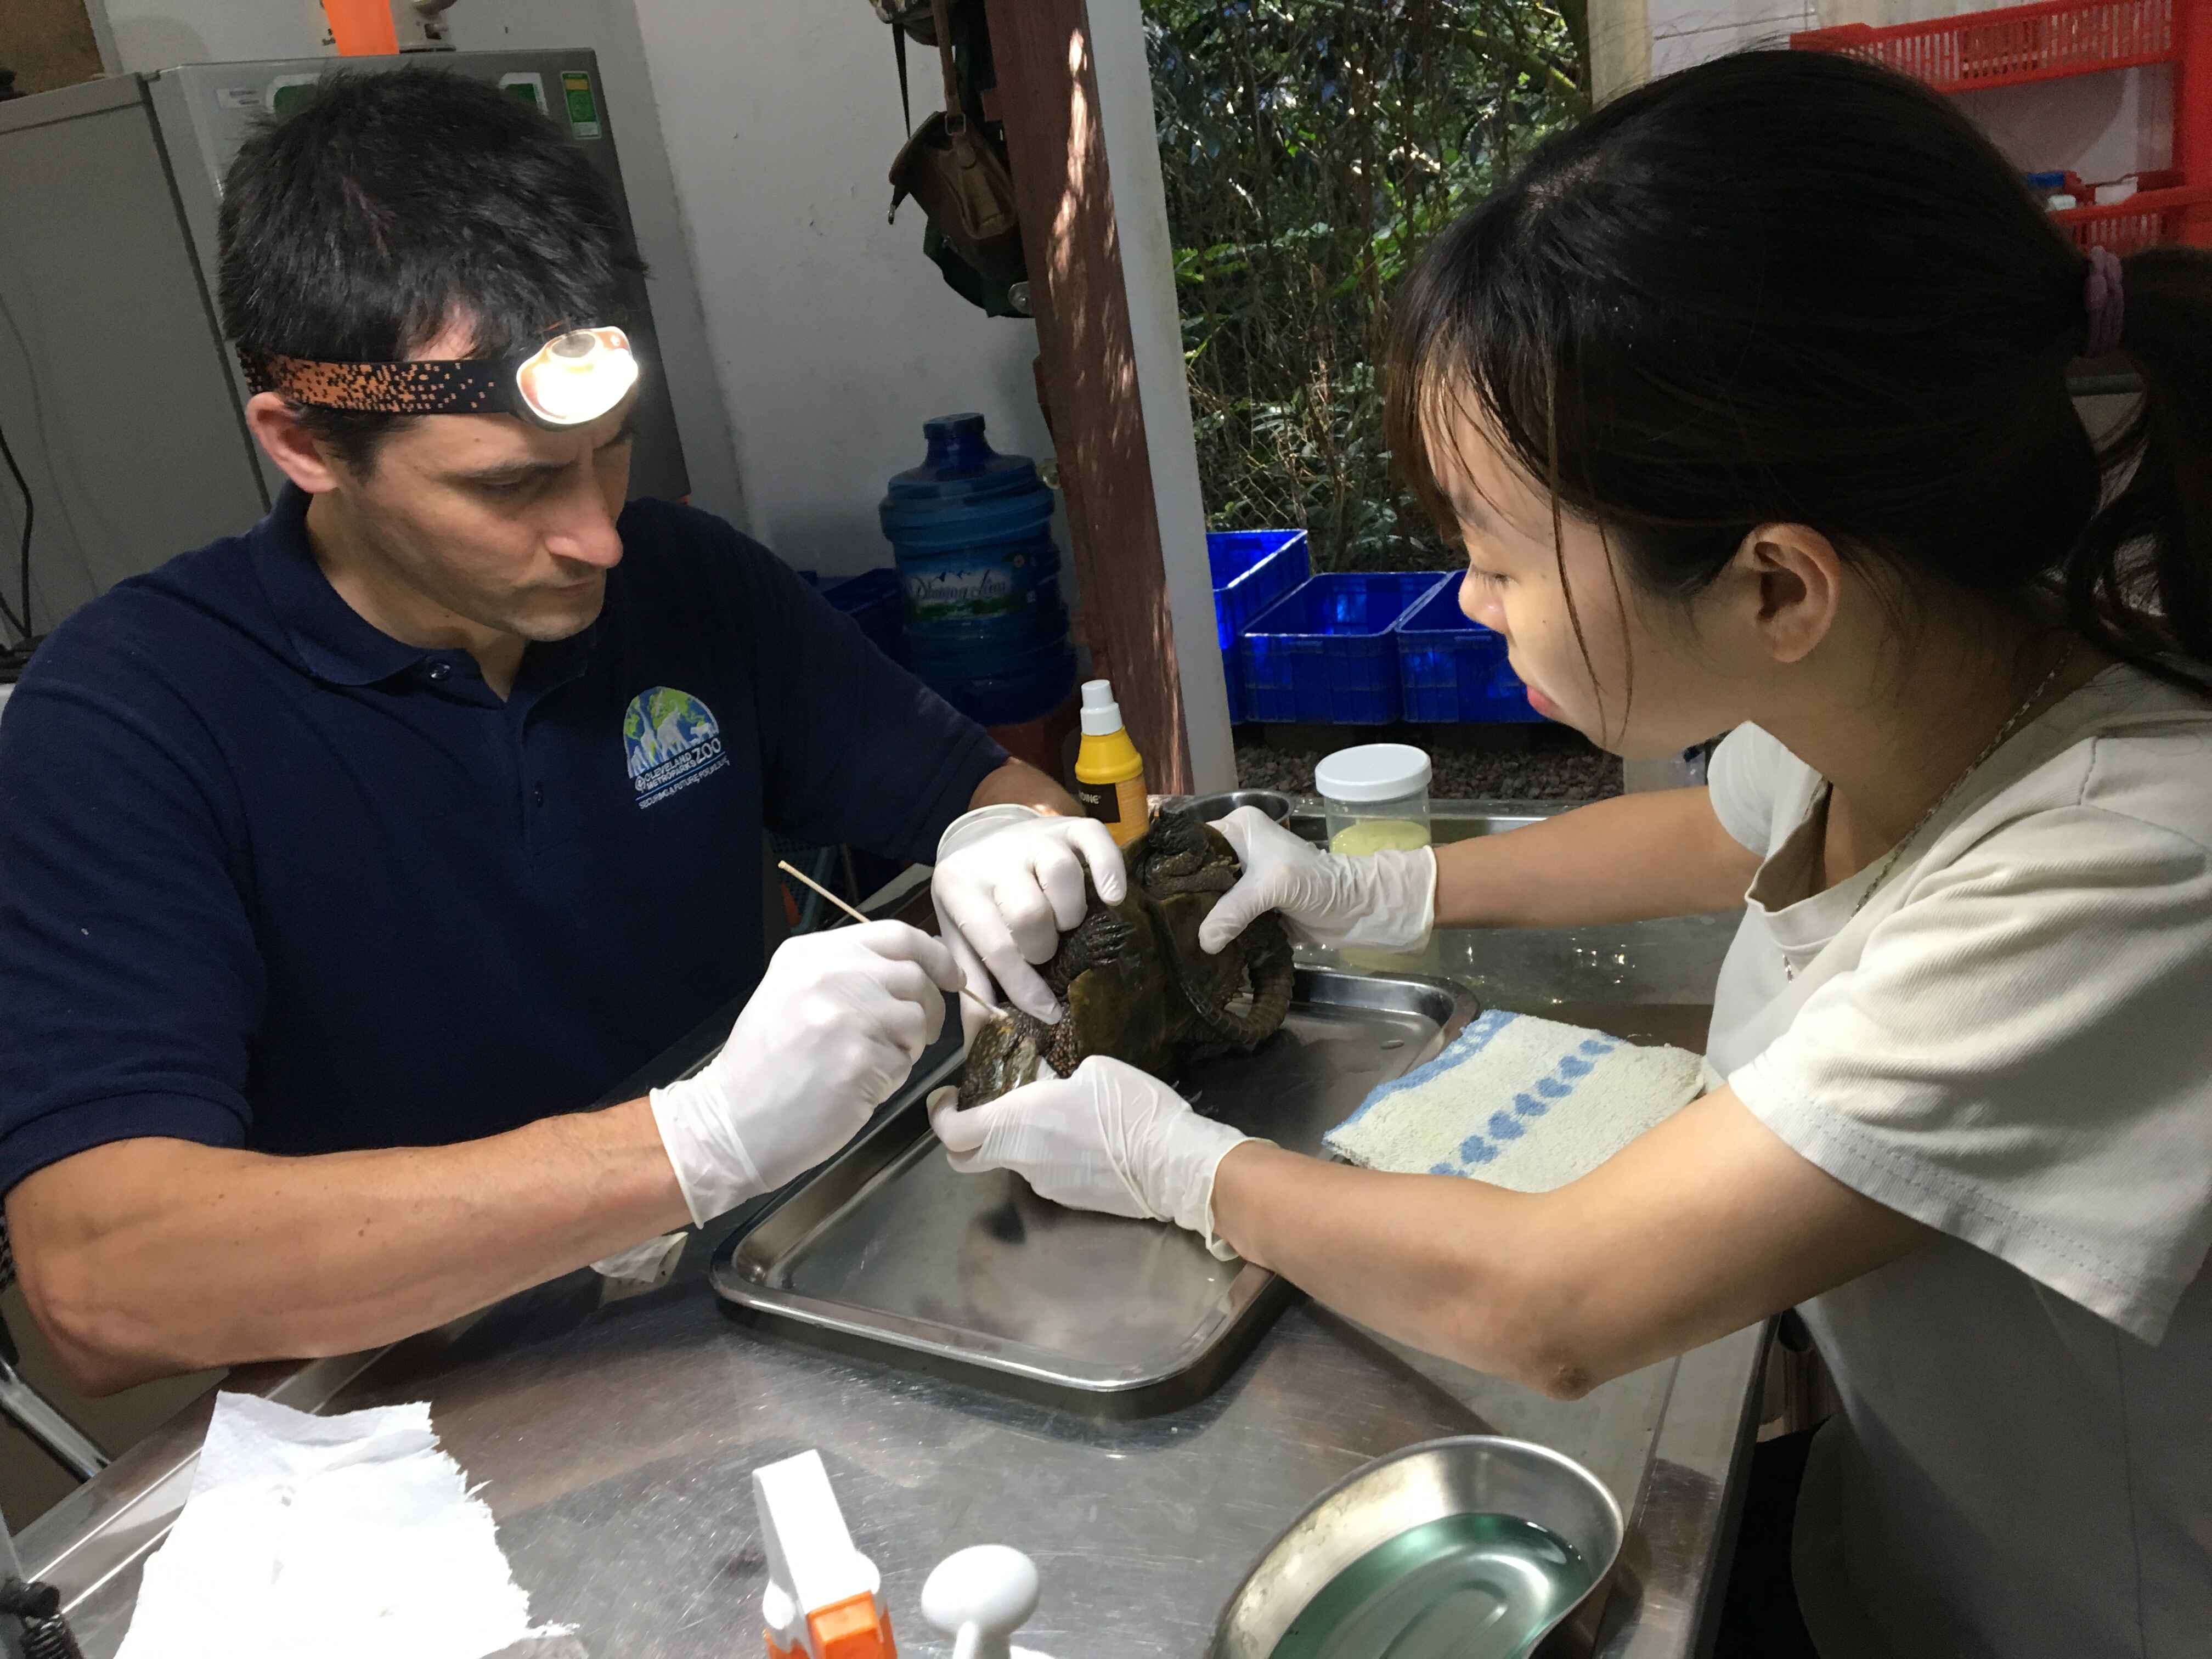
x: 989, y: 590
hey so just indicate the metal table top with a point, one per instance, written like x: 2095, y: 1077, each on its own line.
x: 614, y: 1442
x: 613, y: 1438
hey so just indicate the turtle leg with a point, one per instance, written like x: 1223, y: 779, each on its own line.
x: 1274, y: 976
x: 1061, y: 1051
x: 1269, y: 972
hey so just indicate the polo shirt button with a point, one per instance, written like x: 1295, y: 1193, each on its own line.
x: 537, y: 794
x: 440, y: 670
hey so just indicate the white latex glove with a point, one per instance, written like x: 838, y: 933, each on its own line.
x: 641, y: 1263
x: 1387, y: 900
x: 1109, y: 1138
x: 1004, y: 898
x: 832, y: 1029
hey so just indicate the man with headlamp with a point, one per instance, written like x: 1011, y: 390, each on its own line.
x: 345, y: 863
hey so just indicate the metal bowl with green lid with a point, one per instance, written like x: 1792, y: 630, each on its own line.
x: 1473, y: 1547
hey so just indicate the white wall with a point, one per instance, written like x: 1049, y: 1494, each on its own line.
x: 1685, y: 32
x: 835, y: 338
x: 2102, y: 126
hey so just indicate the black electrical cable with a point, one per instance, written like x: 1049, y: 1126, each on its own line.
x: 21, y: 624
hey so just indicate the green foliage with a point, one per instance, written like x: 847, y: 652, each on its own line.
x: 1311, y: 150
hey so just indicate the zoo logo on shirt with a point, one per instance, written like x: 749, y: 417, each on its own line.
x: 670, y: 740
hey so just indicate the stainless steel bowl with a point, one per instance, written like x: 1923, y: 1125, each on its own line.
x: 1276, y: 805
x: 1467, y: 1474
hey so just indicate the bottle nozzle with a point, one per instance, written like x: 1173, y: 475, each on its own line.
x: 1100, y: 713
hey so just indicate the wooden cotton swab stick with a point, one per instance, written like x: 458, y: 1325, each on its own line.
x: 804, y: 880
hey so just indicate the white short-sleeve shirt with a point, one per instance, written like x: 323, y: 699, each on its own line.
x: 2012, y: 1042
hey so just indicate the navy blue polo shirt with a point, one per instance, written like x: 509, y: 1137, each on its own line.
x: 271, y: 878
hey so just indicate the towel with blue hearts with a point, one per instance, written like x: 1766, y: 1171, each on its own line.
x: 1519, y: 1101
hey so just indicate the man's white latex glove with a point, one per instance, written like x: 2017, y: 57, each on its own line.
x: 1387, y: 900
x: 832, y: 1029
x: 1007, y: 886
x: 1109, y: 1138
x: 641, y: 1264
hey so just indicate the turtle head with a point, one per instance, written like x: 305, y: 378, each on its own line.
x: 1004, y: 1056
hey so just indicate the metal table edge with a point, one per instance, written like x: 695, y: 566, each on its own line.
x: 1683, y: 1530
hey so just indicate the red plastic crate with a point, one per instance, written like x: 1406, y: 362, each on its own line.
x: 2018, y: 45
x: 2012, y: 46
x: 2145, y: 219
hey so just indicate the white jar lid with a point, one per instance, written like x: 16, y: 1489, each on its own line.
x: 1373, y: 771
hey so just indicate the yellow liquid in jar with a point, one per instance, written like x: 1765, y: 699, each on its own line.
x: 1380, y: 836
x: 1364, y: 836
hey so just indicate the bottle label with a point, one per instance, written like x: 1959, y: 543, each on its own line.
x: 1102, y: 801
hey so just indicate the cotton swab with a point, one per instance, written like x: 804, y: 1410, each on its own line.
x: 804, y: 880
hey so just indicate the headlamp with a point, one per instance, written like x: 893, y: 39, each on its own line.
x: 571, y: 380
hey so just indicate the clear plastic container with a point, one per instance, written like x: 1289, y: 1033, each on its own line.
x: 1376, y: 797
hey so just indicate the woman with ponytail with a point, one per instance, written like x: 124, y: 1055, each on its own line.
x: 1749, y: 400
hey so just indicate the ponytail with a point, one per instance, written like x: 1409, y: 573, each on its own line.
x: 2138, y: 581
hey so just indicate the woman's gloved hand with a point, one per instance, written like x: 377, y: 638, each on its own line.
x: 1109, y: 1138
x: 1387, y: 900
x: 1007, y: 886
x: 832, y: 1029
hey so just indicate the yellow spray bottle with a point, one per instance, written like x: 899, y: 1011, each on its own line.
x: 1109, y: 772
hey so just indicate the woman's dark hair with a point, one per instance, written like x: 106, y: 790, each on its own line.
x: 1788, y: 287
x: 396, y: 202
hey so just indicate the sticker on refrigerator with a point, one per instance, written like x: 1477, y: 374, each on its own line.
x: 287, y: 92
x: 583, y: 107
x: 237, y: 98
x: 529, y: 86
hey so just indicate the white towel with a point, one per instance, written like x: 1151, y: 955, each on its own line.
x: 1519, y: 1101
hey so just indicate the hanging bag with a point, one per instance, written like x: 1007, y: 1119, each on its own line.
x: 951, y: 167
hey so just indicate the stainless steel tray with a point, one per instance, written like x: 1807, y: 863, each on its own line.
x: 887, y: 1253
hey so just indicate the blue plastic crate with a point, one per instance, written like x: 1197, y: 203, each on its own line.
x: 1454, y: 670
x: 1326, y: 651
x: 876, y: 601
x: 1251, y: 569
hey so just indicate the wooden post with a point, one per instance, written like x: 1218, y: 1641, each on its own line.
x: 1088, y: 376
x: 48, y: 43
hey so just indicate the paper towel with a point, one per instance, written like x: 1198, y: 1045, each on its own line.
x: 336, y: 1537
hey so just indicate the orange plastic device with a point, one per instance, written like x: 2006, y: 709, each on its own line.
x: 851, y: 1629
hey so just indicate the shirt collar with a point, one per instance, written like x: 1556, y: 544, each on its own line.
x: 335, y: 642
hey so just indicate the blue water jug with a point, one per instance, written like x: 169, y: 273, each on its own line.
x: 971, y: 530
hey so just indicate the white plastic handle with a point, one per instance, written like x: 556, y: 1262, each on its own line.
x: 979, y: 1597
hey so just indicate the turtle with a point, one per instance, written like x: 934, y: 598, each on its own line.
x: 1132, y: 980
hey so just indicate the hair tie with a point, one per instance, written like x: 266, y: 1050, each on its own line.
x: 2106, y: 302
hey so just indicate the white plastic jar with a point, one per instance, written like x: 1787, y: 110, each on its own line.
x: 1376, y: 797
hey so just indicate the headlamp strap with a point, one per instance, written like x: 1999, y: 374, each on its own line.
x: 474, y: 386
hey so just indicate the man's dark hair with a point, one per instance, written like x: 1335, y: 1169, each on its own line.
x: 396, y: 202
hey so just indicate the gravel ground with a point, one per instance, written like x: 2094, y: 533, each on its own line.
x: 1549, y: 763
